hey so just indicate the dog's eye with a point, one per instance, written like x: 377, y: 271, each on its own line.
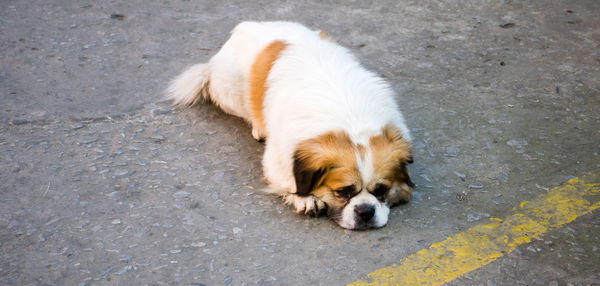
x: 345, y: 192
x: 380, y: 191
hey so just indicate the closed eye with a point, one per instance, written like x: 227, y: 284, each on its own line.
x: 380, y: 191
x: 345, y: 192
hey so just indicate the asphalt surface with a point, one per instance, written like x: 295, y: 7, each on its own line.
x: 105, y: 184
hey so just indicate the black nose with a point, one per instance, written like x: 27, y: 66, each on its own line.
x: 365, y: 212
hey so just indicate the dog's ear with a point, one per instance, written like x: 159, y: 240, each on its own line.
x: 403, y: 175
x: 307, y: 177
x: 315, y: 157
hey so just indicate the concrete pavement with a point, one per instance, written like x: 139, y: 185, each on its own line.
x: 104, y: 184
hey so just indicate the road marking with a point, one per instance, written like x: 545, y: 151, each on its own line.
x: 447, y: 260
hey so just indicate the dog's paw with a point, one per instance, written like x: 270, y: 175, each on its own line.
x: 309, y: 205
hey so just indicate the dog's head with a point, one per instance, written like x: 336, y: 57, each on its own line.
x: 359, y: 183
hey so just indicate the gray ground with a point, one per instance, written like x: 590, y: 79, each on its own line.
x: 103, y: 184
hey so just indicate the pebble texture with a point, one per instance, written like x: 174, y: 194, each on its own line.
x: 104, y: 184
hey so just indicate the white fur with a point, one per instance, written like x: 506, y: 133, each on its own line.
x: 382, y: 209
x: 380, y: 218
x: 305, y: 204
x: 365, y: 166
x: 186, y: 88
x: 314, y: 87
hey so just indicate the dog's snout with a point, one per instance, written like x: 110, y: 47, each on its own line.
x: 365, y: 212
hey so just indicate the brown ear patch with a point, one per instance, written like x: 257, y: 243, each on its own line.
x: 258, y: 82
x: 307, y: 177
x: 389, y: 150
x: 327, y: 159
x: 390, y: 154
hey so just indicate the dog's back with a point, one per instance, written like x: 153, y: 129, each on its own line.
x: 225, y: 78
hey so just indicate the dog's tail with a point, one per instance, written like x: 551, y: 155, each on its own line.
x: 190, y: 87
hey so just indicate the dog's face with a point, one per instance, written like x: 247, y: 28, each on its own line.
x: 359, y: 183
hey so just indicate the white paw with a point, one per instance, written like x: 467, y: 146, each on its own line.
x: 309, y: 205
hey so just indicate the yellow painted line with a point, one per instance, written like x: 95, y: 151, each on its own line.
x: 478, y: 246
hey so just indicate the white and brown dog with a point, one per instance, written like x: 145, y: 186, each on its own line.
x: 335, y: 138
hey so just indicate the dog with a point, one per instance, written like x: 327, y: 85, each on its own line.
x: 336, y: 141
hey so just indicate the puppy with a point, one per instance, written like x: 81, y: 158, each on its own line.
x: 336, y: 141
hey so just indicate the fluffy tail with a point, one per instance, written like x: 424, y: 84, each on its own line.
x: 190, y: 87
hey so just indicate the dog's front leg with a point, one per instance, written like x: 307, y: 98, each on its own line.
x: 309, y: 205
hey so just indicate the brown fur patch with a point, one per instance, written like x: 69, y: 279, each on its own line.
x: 362, y: 151
x: 325, y: 36
x: 390, y: 154
x: 258, y: 82
x: 333, y: 155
